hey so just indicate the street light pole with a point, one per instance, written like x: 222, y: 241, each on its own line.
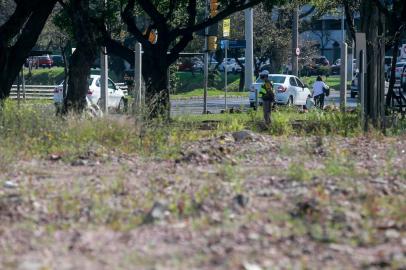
x: 249, y: 50
x: 295, y: 42
x: 104, y: 77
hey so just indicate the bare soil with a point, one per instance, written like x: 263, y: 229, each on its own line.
x: 246, y: 202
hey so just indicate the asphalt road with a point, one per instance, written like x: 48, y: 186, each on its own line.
x: 216, y: 105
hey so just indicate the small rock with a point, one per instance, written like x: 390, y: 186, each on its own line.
x: 240, y: 200
x: 244, y: 135
x: 392, y: 234
x: 10, y: 184
x: 251, y: 266
x: 54, y: 157
x: 79, y: 162
x: 157, y: 212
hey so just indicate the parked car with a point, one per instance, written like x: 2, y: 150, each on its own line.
x: 399, y: 68
x: 44, y: 61
x: 57, y: 60
x: 403, y: 78
x: 231, y: 65
x: 318, y: 66
x: 336, y: 67
x: 116, y: 98
x: 289, y: 90
x: 354, y: 86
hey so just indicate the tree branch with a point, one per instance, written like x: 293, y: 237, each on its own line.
x: 129, y: 20
x: 307, y: 13
x: 152, y: 12
x: 238, y: 6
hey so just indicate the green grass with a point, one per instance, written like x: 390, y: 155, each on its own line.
x: 211, y: 92
x: 189, y: 82
x: 332, y: 81
x: 44, y: 76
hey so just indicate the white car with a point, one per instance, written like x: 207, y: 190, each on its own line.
x: 232, y: 66
x: 289, y: 90
x: 116, y: 98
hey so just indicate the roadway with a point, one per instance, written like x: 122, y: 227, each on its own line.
x: 216, y: 104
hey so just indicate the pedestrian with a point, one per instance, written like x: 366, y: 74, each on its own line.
x: 319, y: 89
x: 267, y: 96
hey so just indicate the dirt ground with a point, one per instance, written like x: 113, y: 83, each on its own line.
x: 239, y: 201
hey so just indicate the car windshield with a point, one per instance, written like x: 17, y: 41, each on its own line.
x: 400, y: 64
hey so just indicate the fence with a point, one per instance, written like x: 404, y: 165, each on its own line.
x: 46, y: 91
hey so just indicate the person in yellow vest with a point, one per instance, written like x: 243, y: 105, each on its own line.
x: 267, y: 95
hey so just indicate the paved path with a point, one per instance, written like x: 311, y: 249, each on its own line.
x: 216, y: 105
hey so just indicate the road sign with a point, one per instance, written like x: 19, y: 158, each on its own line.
x: 234, y: 44
x: 226, y: 27
x: 297, y: 51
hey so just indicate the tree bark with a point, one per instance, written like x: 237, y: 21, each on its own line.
x: 372, y: 24
x: 26, y: 25
x: 83, y: 58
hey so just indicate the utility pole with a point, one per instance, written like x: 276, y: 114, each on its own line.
x: 295, y: 42
x: 206, y: 63
x: 225, y: 73
x: 138, y: 75
x: 343, y: 66
x: 249, y: 50
x: 104, y: 93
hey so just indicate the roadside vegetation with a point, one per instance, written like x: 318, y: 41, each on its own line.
x: 313, y: 189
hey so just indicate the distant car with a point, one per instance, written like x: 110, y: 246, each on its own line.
x: 57, y: 60
x: 354, y: 86
x: 403, y: 78
x: 336, y: 67
x: 399, y: 69
x: 231, y: 65
x: 289, y: 90
x: 116, y: 97
x: 321, y: 60
x: 44, y: 61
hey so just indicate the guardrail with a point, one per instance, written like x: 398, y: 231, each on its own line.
x: 45, y: 91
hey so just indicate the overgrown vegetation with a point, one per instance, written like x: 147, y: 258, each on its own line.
x: 69, y: 184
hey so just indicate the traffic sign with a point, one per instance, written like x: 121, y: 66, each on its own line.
x: 297, y: 51
x: 226, y: 27
x: 234, y: 44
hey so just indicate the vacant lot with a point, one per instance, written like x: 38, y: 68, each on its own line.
x: 200, y: 196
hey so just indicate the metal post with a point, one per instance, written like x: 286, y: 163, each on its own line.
x: 361, y: 86
x: 23, y: 82
x: 249, y: 50
x: 104, y: 93
x: 138, y: 75
x: 225, y: 74
x: 206, y: 64
x: 343, y: 26
x: 295, y: 42
x: 343, y: 70
x: 18, y: 90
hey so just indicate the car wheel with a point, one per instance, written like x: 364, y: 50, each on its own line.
x: 290, y: 101
x: 252, y: 104
x: 121, y: 106
x: 353, y: 95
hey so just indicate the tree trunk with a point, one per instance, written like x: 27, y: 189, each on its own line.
x: 155, y: 73
x: 83, y: 58
x: 392, y: 70
x: 79, y: 72
x: 372, y: 25
x: 12, y: 58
